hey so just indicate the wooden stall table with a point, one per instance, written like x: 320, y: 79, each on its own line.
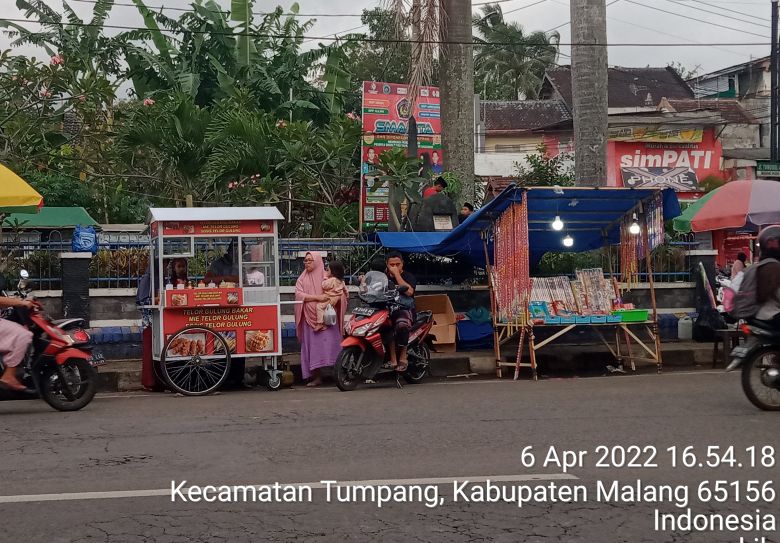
x: 730, y: 338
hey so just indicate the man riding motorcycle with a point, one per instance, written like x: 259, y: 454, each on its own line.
x: 14, y: 341
x: 768, y: 278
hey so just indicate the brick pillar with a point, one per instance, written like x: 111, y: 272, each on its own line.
x: 75, y: 285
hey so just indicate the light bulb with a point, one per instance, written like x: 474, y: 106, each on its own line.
x: 634, y: 228
x: 557, y: 224
x: 568, y: 241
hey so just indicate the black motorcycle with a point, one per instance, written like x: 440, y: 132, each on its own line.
x: 759, y: 359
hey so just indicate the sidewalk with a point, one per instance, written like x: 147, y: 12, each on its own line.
x: 559, y: 362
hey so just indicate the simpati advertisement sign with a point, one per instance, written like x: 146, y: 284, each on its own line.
x: 681, y: 166
x: 386, y: 108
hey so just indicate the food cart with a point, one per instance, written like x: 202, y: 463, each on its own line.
x: 215, y: 282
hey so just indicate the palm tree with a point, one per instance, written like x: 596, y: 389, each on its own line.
x: 443, y: 27
x: 510, y: 63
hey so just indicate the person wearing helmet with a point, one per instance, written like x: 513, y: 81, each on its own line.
x: 768, y: 276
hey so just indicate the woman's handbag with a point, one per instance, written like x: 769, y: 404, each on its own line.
x: 330, y: 317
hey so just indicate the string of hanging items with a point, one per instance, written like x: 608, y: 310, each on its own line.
x: 511, y: 262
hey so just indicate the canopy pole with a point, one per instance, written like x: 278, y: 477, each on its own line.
x: 649, y: 265
x: 493, y: 305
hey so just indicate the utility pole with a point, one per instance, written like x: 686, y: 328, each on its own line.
x: 589, y: 89
x: 457, y: 95
x: 773, y: 100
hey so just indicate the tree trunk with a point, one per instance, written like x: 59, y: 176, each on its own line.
x: 457, y: 95
x: 589, y: 89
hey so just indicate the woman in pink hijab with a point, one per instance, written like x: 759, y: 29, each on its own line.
x: 319, y: 349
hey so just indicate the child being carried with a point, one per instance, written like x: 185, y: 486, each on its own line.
x: 333, y: 287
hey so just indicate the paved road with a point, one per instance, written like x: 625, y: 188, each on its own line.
x: 421, y: 435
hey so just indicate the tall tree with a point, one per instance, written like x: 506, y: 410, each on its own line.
x: 509, y: 62
x: 589, y: 89
x: 457, y: 94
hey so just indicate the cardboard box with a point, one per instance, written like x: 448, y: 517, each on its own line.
x: 445, y: 323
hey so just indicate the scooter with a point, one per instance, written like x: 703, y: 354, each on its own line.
x: 759, y: 358
x: 364, y: 355
x: 59, y: 367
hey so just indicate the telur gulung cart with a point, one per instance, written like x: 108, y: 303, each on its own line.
x: 216, y: 294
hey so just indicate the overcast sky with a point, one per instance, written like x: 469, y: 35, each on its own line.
x: 627, y: 22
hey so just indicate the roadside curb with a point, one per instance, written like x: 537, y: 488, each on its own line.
x: 570, y: 360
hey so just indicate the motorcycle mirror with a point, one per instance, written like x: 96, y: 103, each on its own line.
x: 24, y: 274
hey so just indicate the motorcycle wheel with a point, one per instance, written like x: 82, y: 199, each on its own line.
x: 78, y: 388
x: 760, y: 394
x: 419, y: 360
x: 346, y: 377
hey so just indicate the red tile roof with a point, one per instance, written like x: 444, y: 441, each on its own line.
x: 731, y: 110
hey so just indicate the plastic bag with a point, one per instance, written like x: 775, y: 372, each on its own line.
x: 84, y: 240
x: 330, y: 317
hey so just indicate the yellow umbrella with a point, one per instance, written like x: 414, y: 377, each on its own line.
x: 16, y: 196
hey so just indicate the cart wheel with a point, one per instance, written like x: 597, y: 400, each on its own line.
x: 274, y: 381
x: 195, y: 373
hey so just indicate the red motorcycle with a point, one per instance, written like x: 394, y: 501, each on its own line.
x: 58, y: 366
x: 364, y: 353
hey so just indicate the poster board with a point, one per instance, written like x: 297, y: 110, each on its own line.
x: 385, y: 113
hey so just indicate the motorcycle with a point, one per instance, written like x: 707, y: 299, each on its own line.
x: 59, y: 367
x: 759, y: 358
x: 364, y: 354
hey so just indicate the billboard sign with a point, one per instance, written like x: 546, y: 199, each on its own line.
x: 386, y: 108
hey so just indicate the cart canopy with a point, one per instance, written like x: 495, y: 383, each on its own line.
x: 591, y: 216
x: 183, y: 214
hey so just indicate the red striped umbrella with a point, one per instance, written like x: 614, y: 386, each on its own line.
x: 737, y: 204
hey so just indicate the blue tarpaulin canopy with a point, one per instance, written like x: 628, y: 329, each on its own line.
x: 591, y: 217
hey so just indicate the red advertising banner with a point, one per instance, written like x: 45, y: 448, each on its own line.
x: 386, y: 109
x: 199, y: 297
x: 216, y: 228
x: 679, y: 163
x: 681, y: 166
x: 248, y: 330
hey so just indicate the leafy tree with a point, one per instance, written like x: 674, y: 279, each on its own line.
x: 683, y: 71
x: 512, y: 62
x: 400, y: 172
x: 544, y: 170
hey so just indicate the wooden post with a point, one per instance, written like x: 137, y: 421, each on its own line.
x: 493, y: 305
x: 649, y: 264
x: 188, y: 200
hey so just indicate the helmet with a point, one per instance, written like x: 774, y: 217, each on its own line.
x: 769, y: 242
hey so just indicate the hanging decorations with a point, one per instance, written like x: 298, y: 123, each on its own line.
x: 511, y: 267
x: 632, y: 243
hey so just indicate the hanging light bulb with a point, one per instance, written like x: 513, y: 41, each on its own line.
x: 568, y: 241
x: 557, y: 224
x: 634, y: 228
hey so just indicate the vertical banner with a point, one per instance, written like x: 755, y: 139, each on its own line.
x: 386, y: 108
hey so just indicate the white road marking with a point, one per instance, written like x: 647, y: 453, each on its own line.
x: 156, y: 492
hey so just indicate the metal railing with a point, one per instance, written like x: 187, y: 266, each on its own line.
x: 122, y: 259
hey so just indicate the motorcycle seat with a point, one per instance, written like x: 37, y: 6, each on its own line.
x: 423, y: 316
x: 765, y: 329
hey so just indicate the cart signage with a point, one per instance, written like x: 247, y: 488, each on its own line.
x: 247, y: 330
x: 217, y: 228
x: 197, y: 297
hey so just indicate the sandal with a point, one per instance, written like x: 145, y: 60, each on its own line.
x: 13, y: 387
x: 402, y: 367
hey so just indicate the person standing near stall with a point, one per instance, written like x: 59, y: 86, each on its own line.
x: 319, y: 349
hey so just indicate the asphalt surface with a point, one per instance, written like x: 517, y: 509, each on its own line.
x: 429, y: 434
